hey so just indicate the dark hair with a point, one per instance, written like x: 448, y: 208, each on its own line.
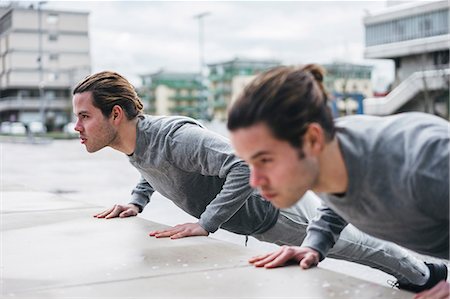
x: 110, y: 89
x: 287, y: 99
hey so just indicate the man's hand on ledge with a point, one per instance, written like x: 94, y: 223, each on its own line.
x: 119, y: 211
x: 181, y: 231
x: 306, y: 257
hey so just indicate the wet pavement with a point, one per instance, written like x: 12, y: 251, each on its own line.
x: 52, y: 247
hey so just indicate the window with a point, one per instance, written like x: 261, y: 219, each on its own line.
x: 441, y: 58
x: 53, y: 37
x: 426, y: 27
x: 51, y: 77
x: 52, y: 18
x: 24, y: 94
x: 399, y: 30
x: 53, y: 57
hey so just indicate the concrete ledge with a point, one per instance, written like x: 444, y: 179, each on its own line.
x: 54, y: 248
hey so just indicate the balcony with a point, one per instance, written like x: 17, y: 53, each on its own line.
x: 34, y: 103
x: 220, y: 78
x: 185, y: 98
x: 220, y: 104
x: 184, y: 109
x: 224, y: 90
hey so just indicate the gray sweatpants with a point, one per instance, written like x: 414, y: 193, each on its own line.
x: 352, y: 245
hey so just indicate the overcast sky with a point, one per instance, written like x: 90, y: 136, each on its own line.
x: 138, y: 37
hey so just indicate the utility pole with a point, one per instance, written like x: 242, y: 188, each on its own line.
x: 203, y: 89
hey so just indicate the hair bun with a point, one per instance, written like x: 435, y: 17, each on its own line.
x: 316, y: 70
x: 318, y: 73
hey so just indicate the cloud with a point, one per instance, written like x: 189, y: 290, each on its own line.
x: 135, y: 37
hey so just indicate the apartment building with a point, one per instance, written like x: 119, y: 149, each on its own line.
x: 43, y: 53
x: 348, y: 84
x: 348, y: 78
x: 172, y: 93
x: 227, y: 79
x: 416, y: 37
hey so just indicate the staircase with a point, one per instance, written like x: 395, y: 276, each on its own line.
x: 406, y: 91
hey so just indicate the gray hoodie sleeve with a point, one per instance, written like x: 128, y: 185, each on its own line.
x: 323, y: 231
x: 195, y: 149
x: 140, y: 195
x: 235, y: 192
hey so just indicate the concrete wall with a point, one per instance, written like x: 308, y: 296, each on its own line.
x: 411, y: 64
x: 162, y: 103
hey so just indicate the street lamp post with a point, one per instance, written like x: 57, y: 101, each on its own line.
x: 40, y: 65
x: 200, y: 18
x: 203, y: 91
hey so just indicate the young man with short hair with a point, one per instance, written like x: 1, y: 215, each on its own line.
x: 388, y: 176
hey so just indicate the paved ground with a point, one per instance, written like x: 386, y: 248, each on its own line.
x: 52, y: 248
x: 105, y: 178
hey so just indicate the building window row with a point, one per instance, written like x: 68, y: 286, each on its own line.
x: 414, y: 27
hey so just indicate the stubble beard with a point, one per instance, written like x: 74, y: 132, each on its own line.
x: 109, y: 138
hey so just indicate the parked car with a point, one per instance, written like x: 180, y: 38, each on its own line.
x: 5, y: 127
x: 18, y: 128
x: 69, y: 128
x: 36, y: 127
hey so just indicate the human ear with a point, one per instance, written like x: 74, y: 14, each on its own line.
x: 314, y: 138
x: 117, y: 112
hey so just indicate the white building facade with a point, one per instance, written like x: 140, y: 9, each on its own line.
x: 416, y: 37
x: 43, y: 53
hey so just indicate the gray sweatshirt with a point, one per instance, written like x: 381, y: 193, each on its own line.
x: 398, y: 169
x: 197, y: 170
